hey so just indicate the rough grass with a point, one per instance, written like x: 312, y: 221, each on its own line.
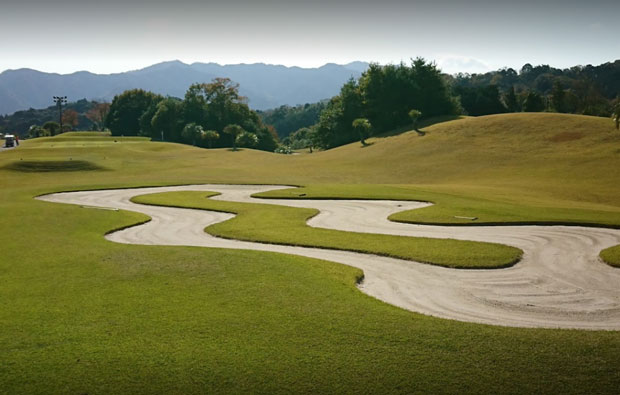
x: 79, y: 314
x: 287, y: 225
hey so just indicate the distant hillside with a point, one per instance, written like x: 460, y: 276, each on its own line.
x: 266, y: 86
x: 287, y: 119
x: 19, y: 122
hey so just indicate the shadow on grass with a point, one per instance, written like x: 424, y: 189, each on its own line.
x: 45, y: 166
x: 423, y: 124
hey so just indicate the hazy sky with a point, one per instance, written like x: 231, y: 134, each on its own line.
x: 118, y: 35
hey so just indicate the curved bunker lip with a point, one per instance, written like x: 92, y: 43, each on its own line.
x: 559, y: 283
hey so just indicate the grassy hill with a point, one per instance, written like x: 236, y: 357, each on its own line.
x: 80, y: 314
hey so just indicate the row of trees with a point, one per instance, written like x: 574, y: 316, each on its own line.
x: 384, y: 96
x: 210, y: 115
x: 80, y: 115
x: 484, y: 100
x: 71, y: 119
x: 589, y: 90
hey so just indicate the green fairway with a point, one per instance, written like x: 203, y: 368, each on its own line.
x: 287, y: 225
x: 80, y: 314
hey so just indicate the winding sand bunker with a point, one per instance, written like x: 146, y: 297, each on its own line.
x: 560, y: 282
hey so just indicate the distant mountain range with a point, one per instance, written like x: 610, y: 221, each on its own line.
x: 266, y: 86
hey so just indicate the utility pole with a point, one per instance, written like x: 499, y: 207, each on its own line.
x: 59, y: 100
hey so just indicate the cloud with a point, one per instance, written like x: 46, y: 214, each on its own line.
x: 452, y: 64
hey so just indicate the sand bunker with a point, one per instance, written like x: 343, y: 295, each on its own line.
x: 560, y: 282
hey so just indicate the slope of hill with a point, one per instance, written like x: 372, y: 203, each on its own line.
x: 557, y: 154
x: 266, y: 86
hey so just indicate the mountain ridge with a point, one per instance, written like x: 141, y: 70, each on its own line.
x: 265, y: 85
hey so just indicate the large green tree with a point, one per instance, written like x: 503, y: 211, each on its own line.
x: 127, y: 109
x: 53, y: 128
x: 167, y: 120
x: 558, y: 97
x: 511, y: 101
x: 247, y: 140
x: 482, y: 100
x: 210, y: 136
x: 192, y: 132
x: 384, y: 95
x: 534, y: 102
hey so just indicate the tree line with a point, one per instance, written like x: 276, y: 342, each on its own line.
x: 211, y: 115
x: 391, y: 96
x: 288, y: 119
x: 80, y: 115
x: 588, y: 90
x: 382, y: 99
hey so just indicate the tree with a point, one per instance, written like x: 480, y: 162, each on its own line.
x: 301, y: 138
x: 558, y: 97
x: 98, y: 114
x: 511, y: 101
x: 415, y: 115
x: 146, y: 127
x: 616, y: 113
x: 534, y: 102
x: 267, y: 138
x: 384, y: 95
x: 70, y: 118
x: 233, y: 130
x: 328, y: 131
x: 481, y: 100
x: 192, y: 132
x: 247, y: 139
x: 210, y: 136
x: 52, y: 127
x: 216, y: 104
x: 127, y: 109
x: 37, y: 131
x: 363, y: 127
x: 166, y: 120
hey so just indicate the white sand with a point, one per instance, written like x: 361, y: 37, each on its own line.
x: 560, y: 282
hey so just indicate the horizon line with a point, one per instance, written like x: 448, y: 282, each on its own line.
x: 283, y: 65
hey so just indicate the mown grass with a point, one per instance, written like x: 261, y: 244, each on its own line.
x: 267, y: 223
x: 79, y: 314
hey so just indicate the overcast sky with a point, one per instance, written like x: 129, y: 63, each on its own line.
x: 108, y: 36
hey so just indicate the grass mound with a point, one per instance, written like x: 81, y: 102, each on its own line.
x: 44, y: 166
x: 611, y: 256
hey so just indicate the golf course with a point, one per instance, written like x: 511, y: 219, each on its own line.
x: 481, y: 255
